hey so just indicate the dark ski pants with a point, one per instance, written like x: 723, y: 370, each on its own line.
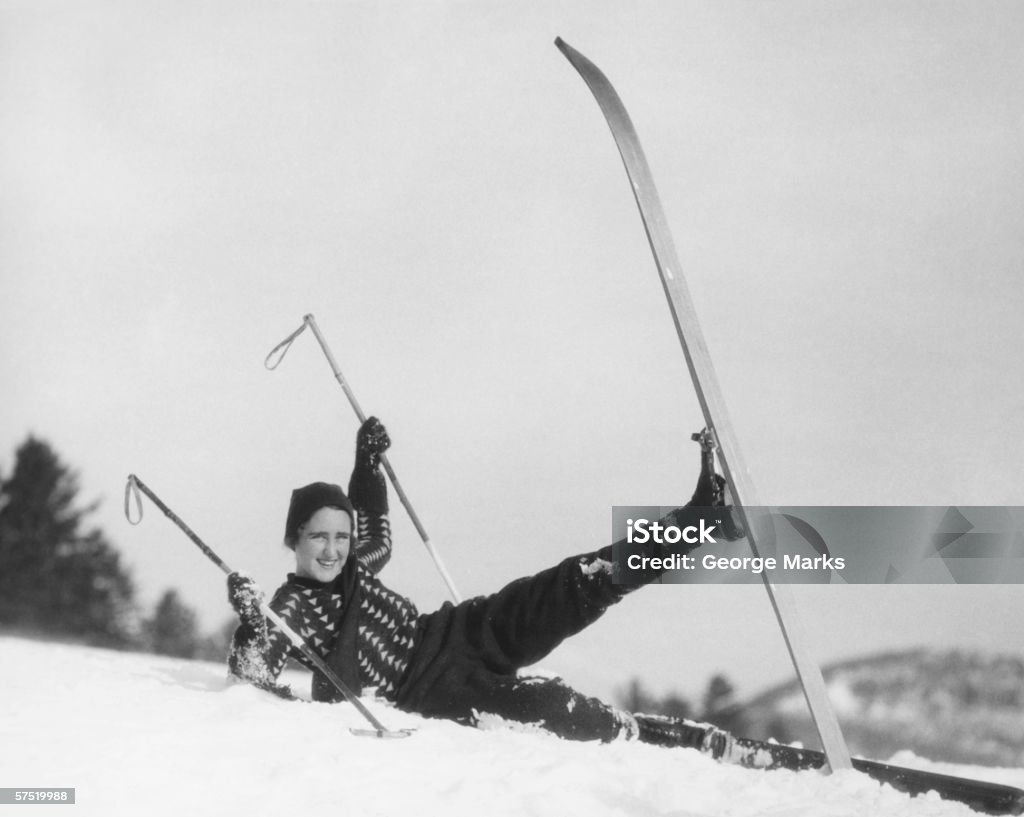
x: 466, y: 655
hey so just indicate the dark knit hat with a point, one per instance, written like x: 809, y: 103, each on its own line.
x: 309, y: 499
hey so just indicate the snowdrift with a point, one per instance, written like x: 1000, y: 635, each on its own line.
x: 141, y: 734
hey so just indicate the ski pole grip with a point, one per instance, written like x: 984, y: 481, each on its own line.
x: 131, y: 490
x: 283, y: 346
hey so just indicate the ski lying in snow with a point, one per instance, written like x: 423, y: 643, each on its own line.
x: 712, y: 403
x: 980, y: 795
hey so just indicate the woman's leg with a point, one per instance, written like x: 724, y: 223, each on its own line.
x: 525, y: 620
x: 547, y: 704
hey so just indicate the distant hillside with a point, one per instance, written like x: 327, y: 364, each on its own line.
x: 955, y: 706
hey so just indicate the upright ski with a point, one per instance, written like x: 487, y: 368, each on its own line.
x: 709, y: 394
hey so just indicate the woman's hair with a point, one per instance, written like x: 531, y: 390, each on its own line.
x: 309, y: 499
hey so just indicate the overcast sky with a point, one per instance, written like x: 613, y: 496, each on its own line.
x: 181, y: 182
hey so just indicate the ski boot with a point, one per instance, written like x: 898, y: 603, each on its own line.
x: 660, y: 730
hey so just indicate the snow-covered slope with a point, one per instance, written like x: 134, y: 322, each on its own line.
x: 141, y: 734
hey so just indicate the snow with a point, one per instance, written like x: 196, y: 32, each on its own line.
x: 143, y: 734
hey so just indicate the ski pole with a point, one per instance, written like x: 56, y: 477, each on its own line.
x: 283, y: 347
x: 132, y: 488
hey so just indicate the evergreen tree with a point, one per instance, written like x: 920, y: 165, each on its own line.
x: 173, y: 629
x: 719, y: 695
x: 675, y: 706
x: 57, y: 576
x: 721, y: 706
x: 635, y: 698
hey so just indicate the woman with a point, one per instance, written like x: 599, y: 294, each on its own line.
x: 461, y: 661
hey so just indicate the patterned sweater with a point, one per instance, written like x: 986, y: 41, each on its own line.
x: 385, y: 625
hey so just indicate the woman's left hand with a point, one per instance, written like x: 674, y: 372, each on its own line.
x: 371, y: 441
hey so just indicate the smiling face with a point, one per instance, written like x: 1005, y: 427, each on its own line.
x: 323, y: 545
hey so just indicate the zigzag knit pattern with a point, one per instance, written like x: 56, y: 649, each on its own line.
x: 387, y: 628
x: 373, y: 536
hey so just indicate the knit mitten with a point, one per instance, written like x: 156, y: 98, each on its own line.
x: 367, y: 488
x: 245, y: 597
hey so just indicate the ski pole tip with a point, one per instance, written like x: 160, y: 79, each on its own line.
x: 382, y: 733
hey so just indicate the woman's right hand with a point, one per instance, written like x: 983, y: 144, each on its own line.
x: 245, y: 598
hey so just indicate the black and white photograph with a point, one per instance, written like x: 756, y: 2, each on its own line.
x: 471, y: 408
